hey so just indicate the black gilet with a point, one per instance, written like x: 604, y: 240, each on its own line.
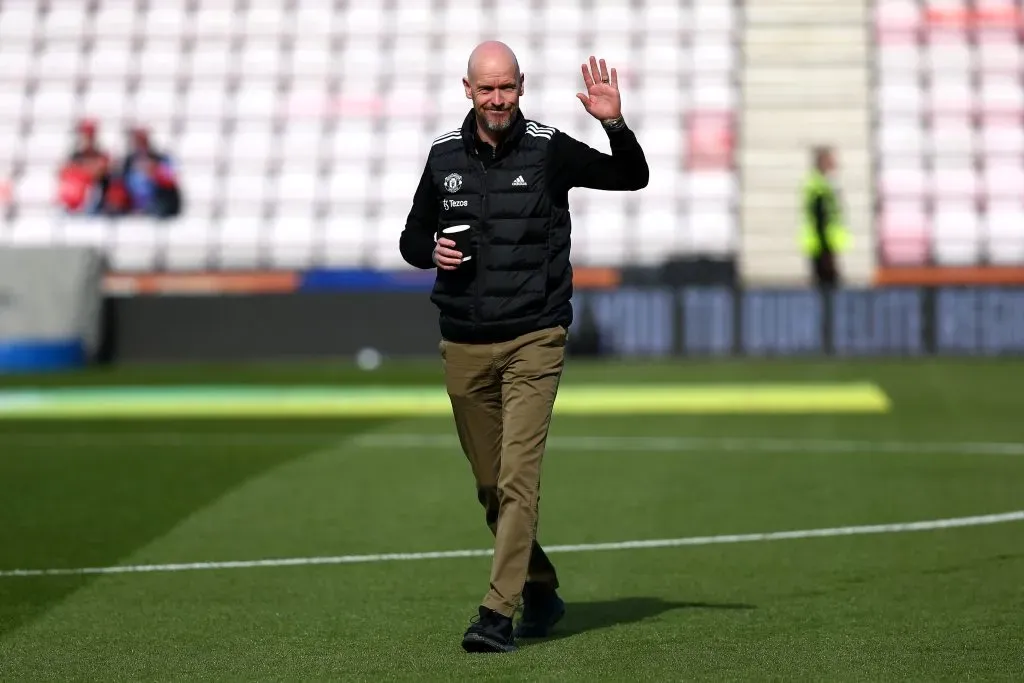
x: 518, y: 279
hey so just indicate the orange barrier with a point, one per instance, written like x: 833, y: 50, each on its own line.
x: 202, y: 283
x: 131, y: 284
x: 596, y: 278
x: 927, y: 276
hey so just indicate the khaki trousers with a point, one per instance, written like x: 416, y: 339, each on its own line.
x: 502, y: 395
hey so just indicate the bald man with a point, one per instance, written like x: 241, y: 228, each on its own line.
x: 491, y: 215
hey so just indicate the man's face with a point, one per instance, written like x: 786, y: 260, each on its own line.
x: 829, y: 162
x: 495, y: 89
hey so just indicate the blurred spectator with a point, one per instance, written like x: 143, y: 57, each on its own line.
x: 150, y: 178
x: 84, y: 178
x: 824, y: 231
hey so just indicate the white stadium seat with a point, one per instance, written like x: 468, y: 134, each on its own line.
x: 956, y: 234
x: 1004, y: 228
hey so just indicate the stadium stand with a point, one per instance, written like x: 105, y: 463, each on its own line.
x: 950, y: 145
x: 299, y: 127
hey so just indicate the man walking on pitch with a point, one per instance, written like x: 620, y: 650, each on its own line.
x: 491, y: 215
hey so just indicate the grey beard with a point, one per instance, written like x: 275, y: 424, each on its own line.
x: 498, y: 127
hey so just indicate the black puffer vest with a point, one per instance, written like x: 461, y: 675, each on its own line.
x: 519, y: 279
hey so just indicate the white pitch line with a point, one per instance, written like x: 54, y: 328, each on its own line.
x: 595, y: 443
x: 170, y: 439
x: 903, y: 527
x: 668, y: 444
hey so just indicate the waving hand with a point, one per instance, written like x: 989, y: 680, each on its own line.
x: 602, y: 100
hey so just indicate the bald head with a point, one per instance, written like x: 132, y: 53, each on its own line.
x: 492, y: 56
x: 494, y: 83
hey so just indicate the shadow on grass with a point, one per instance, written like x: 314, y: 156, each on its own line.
x: 581, y: 617
x: 90, y: 494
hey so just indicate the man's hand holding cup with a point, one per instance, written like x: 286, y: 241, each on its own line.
x: 445, y: 255
x: 450, y: 252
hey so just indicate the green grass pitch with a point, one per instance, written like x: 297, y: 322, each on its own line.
x: 945, y: 441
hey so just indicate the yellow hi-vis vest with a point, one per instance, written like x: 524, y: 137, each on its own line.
x: 838, y: 236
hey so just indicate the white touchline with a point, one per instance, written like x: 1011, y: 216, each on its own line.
x: 698, y: 443
x: 903, y: 527
x: 594, y: 443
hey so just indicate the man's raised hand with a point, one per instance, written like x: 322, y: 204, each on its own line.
x: 602, y: 100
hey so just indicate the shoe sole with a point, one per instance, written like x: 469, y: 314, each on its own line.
x: 477, y: 643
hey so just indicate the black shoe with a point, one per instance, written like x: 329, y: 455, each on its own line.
x: 542, y: 609
x: 491, y: 633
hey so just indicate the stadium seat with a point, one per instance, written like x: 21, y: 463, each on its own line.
x: 955, y: 181
x: 49, y: 145
x: 61, y: 63
x: 200, y: 144
x: 251, y: 145
x: 64, y: 23
x: 952, y: 136
x: 712, y: 230
x: 901, y: 99
x: 297, y: 188
x: 294, y: 243
x: 111, y: 59
x: 346, y: 237
x: 34, y: 230
x: 205, y: 102
x: 952, y: 96
x: 999, y: 56
x: 658, y: 226
x: 1004, y: 179
x: 382, y: 239
x: 1004, y: 232
x: 900, y: 137
x: 18, y: 24
x: 900, y: 59
x: 904, y: 234
x: 603, y: 238
x: 136, y: 244
x: 11, y: 141
x: 956, y: 234
x: 902, y: 178
x: 96, y: 232
x: 266, y: 20
x: 54, y: 103
x: 1001, y: 93
x: 36, y: 187
x: 165, y: 21
x: 234, y: 246
x: 561, y: 19
x: 189, y: 244
x: 948, y: 56
x: 105, y: 102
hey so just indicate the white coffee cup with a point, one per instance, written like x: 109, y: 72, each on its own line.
x: 459, y: 233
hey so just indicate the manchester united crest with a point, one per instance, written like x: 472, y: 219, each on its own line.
x: 453, y: 182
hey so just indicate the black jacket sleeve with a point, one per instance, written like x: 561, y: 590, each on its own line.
x: 417, y: 240
x: 575, y: 164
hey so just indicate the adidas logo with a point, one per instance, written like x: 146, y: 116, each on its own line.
x: 519, y: 182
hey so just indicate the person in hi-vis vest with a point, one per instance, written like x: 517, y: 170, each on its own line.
x: 824, y: 233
